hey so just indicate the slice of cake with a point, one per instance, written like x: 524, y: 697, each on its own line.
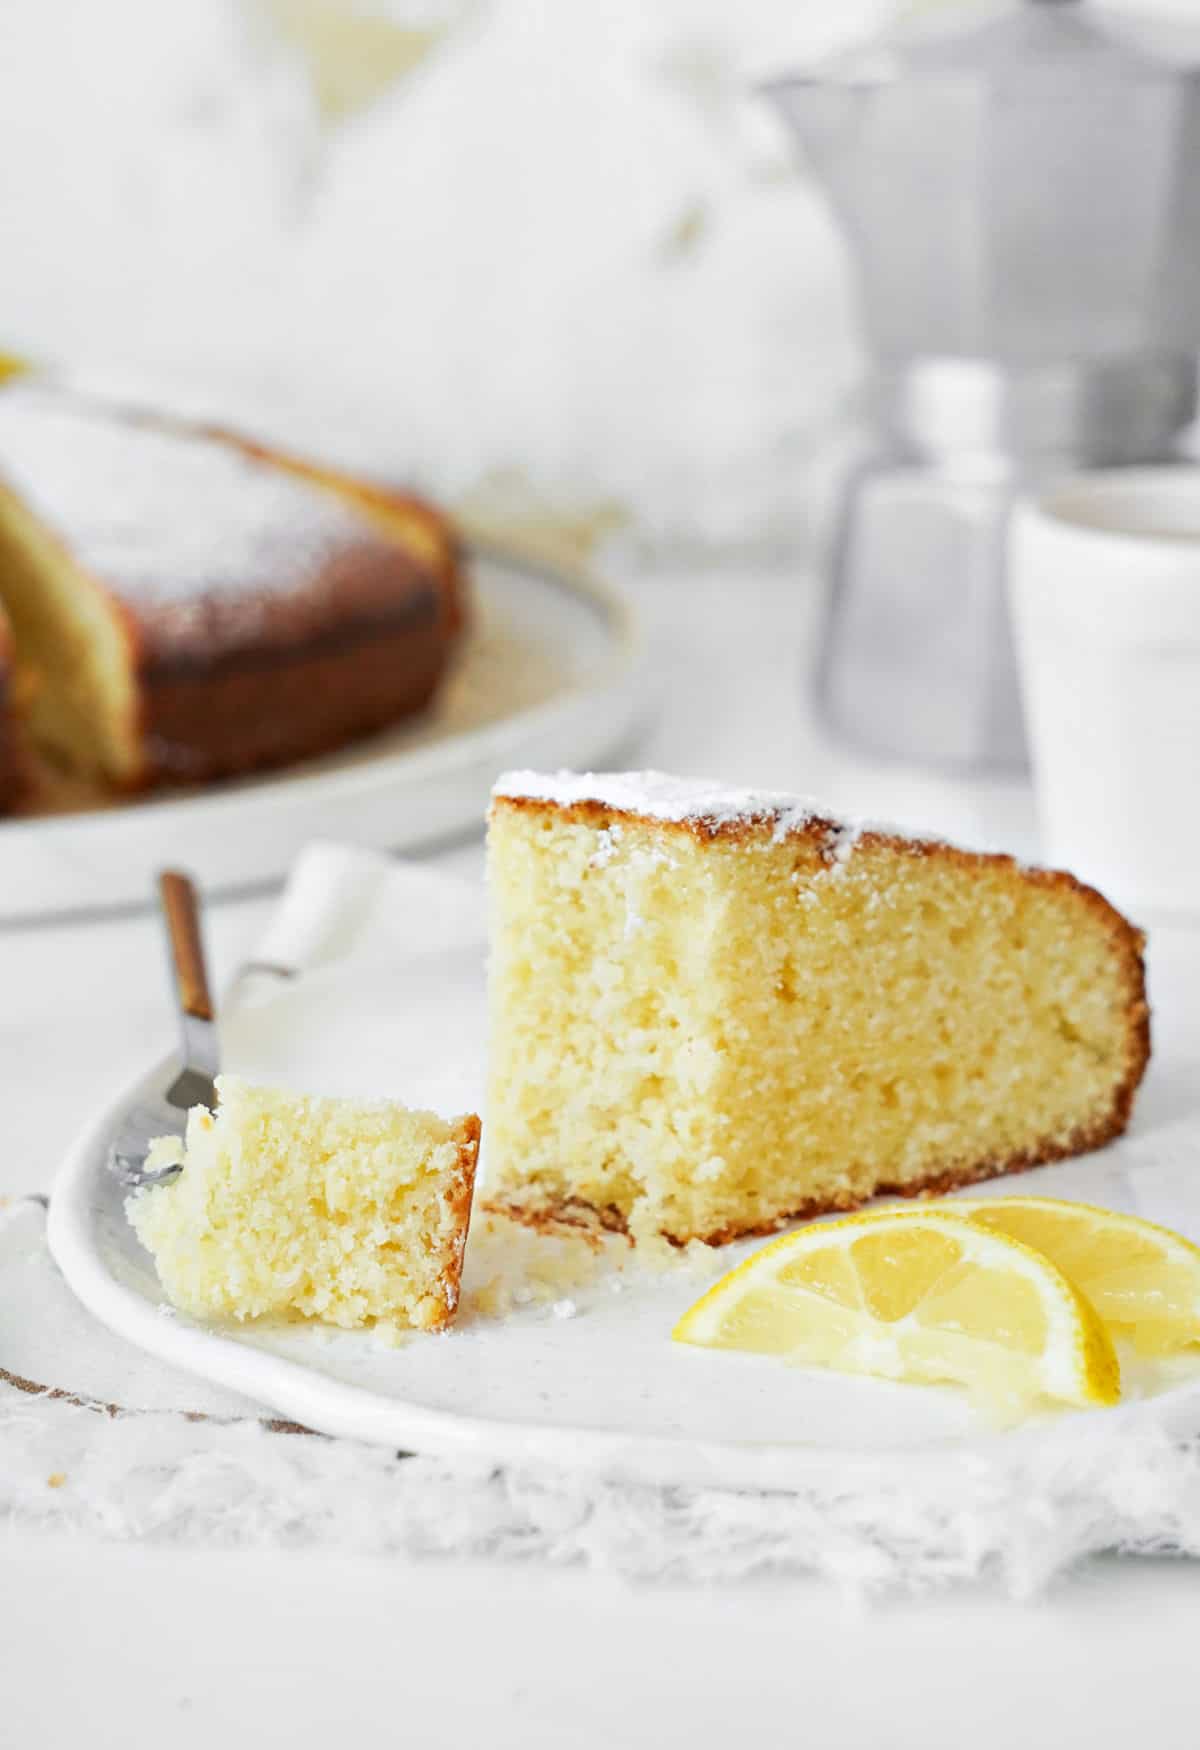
x: 186, y: 605
x: 715, y: 1010
x: 349, y: 1211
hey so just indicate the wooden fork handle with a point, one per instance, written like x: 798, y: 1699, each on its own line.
x: 182, y: 914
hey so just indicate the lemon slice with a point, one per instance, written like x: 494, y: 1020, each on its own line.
x: 1143, y: 1280
x: 914, y: 1295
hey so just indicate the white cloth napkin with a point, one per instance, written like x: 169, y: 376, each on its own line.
x: 188, y: 1462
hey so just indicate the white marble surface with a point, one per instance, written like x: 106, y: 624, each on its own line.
x: 131, y: 1646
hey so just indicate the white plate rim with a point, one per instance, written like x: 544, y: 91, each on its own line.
x: 329, y: 1406
x: 605, y: 712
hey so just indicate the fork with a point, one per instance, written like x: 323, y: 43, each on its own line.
x: 165, y: 1114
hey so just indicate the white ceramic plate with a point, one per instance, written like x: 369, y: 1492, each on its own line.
x: 551, y: 674
x: 602, y: 1389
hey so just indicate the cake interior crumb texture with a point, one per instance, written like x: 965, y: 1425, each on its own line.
x: 72, y: 651
x: 348, y: 1211
x: 707, y: 1019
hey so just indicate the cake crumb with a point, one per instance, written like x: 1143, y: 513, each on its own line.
x: 510, y: 1266
x: 488, y: 1299
x: 386, y: 1334
x: 56, y: 1479
x: 564, y: 1309
x: 164, y: 1152
x: 655, y: 1253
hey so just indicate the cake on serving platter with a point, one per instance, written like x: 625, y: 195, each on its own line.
x: 352, y: 1212
x: 184, y: 605
x: 715, y: 1010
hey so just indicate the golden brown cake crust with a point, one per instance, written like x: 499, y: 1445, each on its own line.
x: 202, y: 717
x: 13, y: 784
x: 362, y: 645
x: 459, y: 1200
x: 821, y: 831
x: 13, y: 775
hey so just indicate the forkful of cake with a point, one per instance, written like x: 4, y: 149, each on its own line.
x: 256, y: 1201
x: 143, y: 1151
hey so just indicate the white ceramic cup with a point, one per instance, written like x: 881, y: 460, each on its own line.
x: 1104, y: 574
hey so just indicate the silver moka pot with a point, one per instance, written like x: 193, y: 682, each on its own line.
x: 1020, y: 187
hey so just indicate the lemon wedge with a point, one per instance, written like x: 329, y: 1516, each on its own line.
x: 1143, y: 1280
x: 913, y: 1295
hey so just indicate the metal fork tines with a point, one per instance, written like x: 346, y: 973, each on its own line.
x: 166, y: 1114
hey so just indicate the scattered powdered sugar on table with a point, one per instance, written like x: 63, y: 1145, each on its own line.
x: 165, y: 516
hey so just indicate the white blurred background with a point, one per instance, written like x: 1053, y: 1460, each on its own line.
x: 538, y: 252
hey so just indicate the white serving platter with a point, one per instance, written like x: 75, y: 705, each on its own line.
x: 594, y: 1382
x: 551, y: 674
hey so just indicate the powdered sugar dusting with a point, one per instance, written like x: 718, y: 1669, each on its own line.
x: 167, y: 517
x: 659, y: 796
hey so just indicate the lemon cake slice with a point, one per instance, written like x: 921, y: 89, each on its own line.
x: 714, y: 1010
x: 349, y: 1211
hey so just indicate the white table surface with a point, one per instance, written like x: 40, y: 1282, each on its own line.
x: 113, y: 1644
